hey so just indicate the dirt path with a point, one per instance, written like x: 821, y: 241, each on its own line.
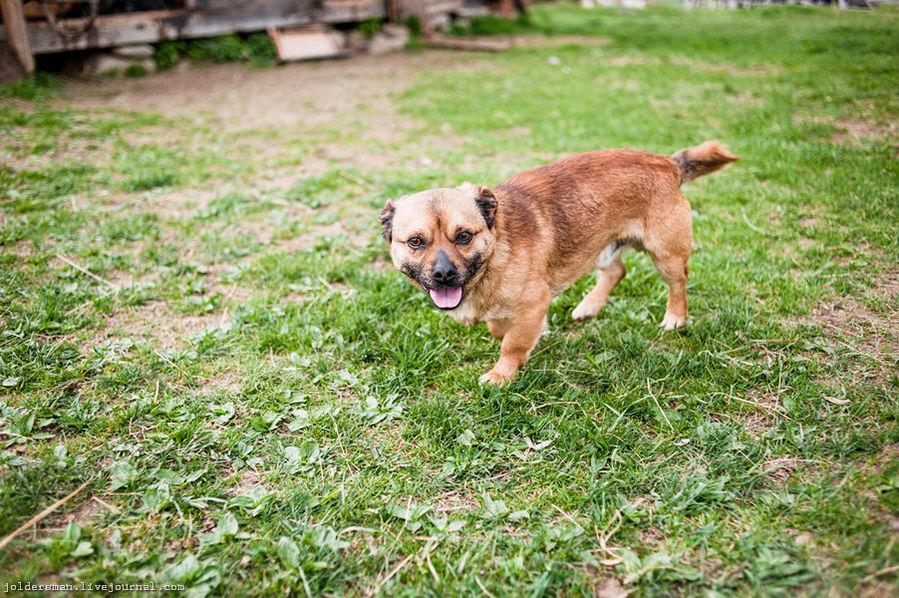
x: 292, y: 94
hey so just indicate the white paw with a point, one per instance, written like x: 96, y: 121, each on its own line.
x: 492, y: 378
x: 671, y: 321
x: 583, y: 312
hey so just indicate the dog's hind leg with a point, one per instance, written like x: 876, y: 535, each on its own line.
x: 674, y: 271
x: 670, y: 249
x: 608, y: 276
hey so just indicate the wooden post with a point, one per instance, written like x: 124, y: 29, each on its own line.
x: 14, y: 19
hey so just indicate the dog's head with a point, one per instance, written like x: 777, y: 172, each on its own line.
x: 441, y: 239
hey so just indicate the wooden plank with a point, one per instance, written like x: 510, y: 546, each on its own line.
x: 16, y: 32
x: 10, y: 68
x: 424, y: 8
x: 239, y: 17
x: 444, y: 6
x: 457, y: 43
x: 307, y: 43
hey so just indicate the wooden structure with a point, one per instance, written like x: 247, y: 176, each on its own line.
x: 29, y: 33
x: 194, y: 18
x: 16, y: 33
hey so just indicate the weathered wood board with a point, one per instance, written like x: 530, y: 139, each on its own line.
x: 209, y: 17
x: 16, y: 32
x: 304, y: 43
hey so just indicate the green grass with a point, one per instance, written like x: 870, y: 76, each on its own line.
x: 257, y: 49
x: 257, y: 416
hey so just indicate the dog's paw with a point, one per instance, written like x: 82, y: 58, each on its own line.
x: 493, y: 377
x: 671, y: 321
x: 583, y: 312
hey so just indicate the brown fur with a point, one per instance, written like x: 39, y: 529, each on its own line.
x: 538, y: 232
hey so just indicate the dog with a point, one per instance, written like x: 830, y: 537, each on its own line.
x: 500, y: 255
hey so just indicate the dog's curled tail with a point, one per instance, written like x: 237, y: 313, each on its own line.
x: 701, y: 160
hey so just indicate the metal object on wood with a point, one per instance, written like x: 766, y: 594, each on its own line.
x: 17, y: 32
x: 61, y: 26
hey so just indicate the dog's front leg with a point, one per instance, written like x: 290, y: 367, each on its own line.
x: 498, y: 328
x: 518, y: 341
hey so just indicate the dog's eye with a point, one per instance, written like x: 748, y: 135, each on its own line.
x: 463, y: 237
x: 415, y: 243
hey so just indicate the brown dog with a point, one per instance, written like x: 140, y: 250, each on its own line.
x: 500, y: 256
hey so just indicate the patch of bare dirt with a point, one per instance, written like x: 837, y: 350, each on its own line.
x: 631, y: 60
x: 124, y: 278
x: 156, y: 323
x: 651, y: 537
x: 805, y: 244
x: 228, y: 381
x: 856, y: 130
x: 25, y: 106
x: 22, y: 248
x: 779, y: 470
x: 808, y: 222
x: 457, y: 500
x: 871, y: 334
x: 751, y: 71
x: 552, y: 41
x: 84, y: 515
x: 610, y: 587
x: 747, y: 98
x: 876, y: 334
x: 763, y: 415
x: 292, y: 298
x: 271, y: 114
x: 311, y: 237
x: 878, y: 589
x: 183, y: 202
x: 249, y: 480
x: 231, y: 292
x: 291, y: 95
x: 86, y: 151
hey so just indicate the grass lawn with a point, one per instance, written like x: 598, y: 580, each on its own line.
x: 199, y: 322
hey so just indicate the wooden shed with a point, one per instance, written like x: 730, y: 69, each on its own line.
x: 32, y: 27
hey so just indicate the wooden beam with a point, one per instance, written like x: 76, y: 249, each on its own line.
x: 239, y: 17
x: 16, y: 32
x: 435, y: 40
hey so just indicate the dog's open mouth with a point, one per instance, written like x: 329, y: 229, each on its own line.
x: 448, y: 298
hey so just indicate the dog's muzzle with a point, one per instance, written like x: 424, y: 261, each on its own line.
x: 446, y: 287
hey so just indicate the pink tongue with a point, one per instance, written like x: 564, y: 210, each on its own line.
x: 447, y: 298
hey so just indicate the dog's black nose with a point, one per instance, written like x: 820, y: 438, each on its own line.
x: 444, y: 271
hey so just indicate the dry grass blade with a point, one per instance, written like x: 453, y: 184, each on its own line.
x: 390, y: 575
x: 37, y: 518
x: 84, y: 270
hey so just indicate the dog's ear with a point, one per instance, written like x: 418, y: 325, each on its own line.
x: 387, y: 220
x: 486, y: 202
